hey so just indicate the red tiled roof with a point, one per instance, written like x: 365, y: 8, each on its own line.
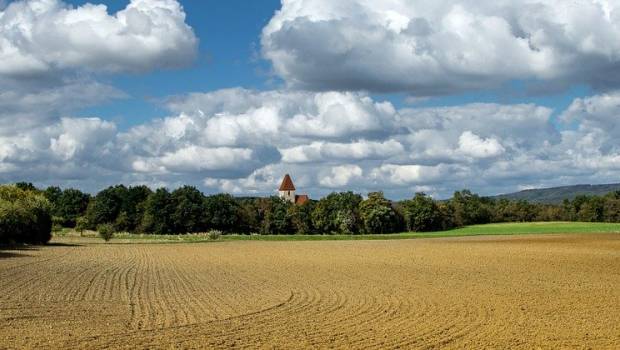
x: 301, y: 199
x: 287, y: 184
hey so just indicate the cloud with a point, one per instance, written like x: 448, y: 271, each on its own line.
x: 340, y: 176
x: 445, y: 46
x: 474, y: 146
x: 42, y: 37
x: 241, y: 141
x: 322, y: 151
x: 25, y: 107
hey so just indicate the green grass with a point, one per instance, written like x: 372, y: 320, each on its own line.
x: 475, y: 230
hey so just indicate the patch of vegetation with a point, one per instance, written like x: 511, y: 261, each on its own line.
x: 106, y: 231
x: 186, y: 210
x: 25, y: 216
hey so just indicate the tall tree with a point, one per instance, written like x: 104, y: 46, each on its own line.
x: 189, y: 210
x: 377, y: 214
x: 158, y: 211
x: 422, y: 214
x: 222, y: 212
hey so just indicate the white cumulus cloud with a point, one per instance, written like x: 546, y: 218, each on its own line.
x: 443, y: 46
x: 39, y: 37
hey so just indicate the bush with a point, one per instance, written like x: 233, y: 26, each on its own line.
x: 214, y: 234
x: 81, y: 224
x: 57, y: 222
x: 106, y: 231
x: 25, y: 216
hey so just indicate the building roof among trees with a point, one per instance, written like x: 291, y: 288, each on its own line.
x: 301, y: 199
x: 287, y: 184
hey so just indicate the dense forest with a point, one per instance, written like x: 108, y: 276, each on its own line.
x: 28, y: 214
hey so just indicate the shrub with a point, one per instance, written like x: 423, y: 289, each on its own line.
x: 81, y: 224
x: 214, y: 234
x: 106, y: 231
x: 57, y: 222
x: 25, y: 216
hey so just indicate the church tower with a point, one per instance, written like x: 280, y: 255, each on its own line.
x: 287, y: 189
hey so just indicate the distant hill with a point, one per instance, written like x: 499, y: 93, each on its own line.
x: 555, y: 195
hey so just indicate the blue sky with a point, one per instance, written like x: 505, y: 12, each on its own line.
x: 229, y: 56
x: 398, y: 96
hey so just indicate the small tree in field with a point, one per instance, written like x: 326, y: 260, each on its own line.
x: 106, y: 231
x: 81, y: 224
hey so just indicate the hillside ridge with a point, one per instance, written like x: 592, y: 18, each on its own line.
x: 555, y: 195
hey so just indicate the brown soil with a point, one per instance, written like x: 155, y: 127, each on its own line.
x: 553, y: 291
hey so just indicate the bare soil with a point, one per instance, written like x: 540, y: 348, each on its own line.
x: 547, y: 291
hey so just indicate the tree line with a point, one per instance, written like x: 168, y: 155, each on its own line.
x: 138, y: 209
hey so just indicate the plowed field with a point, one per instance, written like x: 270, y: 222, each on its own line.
x: 549, y: 291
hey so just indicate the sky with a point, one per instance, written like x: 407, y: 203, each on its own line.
x: 398, y: 96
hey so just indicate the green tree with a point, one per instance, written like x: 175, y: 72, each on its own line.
x: 275, y: 218
x: 301, y: 218
x: 189, y: 210
x: 377, y: 214
x: 106, y: 231
x: 105, y: 206
x: 611, y: 207
x: 222, y: 213
x: 470, y: 209
x: 52, y: 194
x: 158, y: 211
x: 422, y: 214
x: 26, y: 186
x: 337, y: 213
x: 81, y: 224
x: 132, y: 204
x: 591, y: 209
x: 70, y: 205
x: 25, y: 216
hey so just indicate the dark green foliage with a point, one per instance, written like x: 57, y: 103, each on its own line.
x: 109, y: 204
x: 214, y: 235
x: 249, y: 216
x: 222, y: 212
x: 106, y: 206
x: 133, y: 205
x: 26, y: 213
x: 513, y: 211
x: 68, y: 205
x: 301, y: 218
x: 338, y: 212
x: 188, y: 213
x: 158, y: 211
x: 26, y: 186
x: 422, y: 214
x: 25, y: 216
x: 377, y: 214
x: 81, y: 224
x: 106, y: 231
x: 591, y: 209
x: 57, y: 223
x: 52, y: 194
x: 470, y: 209
x: 274, y: 214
